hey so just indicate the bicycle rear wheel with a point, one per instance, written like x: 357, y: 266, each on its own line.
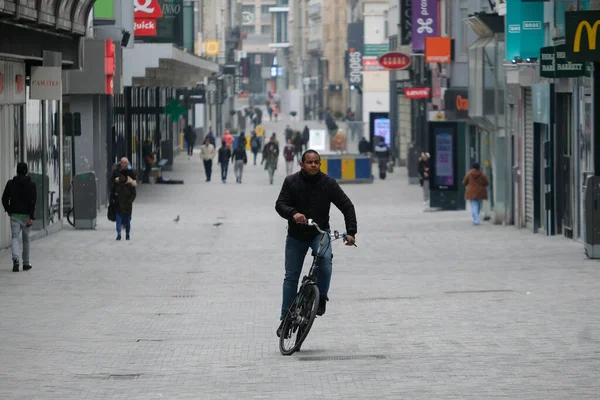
x: 299, y: 320
x: 70, y: 217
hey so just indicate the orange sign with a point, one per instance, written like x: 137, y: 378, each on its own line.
x: 20, y: 83
x: 438, y: 49
x: 462, y: 104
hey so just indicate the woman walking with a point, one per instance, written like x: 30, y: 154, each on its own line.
x: 207, y: 154
x: 476, y: 183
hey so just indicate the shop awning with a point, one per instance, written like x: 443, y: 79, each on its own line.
x: 164, y: 65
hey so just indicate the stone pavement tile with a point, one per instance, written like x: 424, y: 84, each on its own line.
x: 427, y: 306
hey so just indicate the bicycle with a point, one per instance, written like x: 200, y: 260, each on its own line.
x: 303, y: 310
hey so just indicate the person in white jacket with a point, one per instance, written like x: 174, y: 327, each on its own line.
x: 207, y: 153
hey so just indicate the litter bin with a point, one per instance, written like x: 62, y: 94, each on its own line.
x: 85, y: 197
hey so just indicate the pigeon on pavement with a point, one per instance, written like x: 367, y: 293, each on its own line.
x: 177, y: 219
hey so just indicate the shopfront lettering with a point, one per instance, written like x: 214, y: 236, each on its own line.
x: 462, y: 104
x: 355, y: 64
x: 45, y: 83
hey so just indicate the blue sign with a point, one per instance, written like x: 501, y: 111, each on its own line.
x: 564, y: 6
x: 524, y: 29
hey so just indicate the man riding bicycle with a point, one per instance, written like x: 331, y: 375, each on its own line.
x: 309, y: 194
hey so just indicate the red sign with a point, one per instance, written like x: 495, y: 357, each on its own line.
x: 394, y: 60
x: 417, y: 93
x: 20, y: 83
x: 109, y: 66
x: 144, y: 27
x: 145, y: 14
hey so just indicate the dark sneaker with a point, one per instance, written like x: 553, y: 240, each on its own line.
x: 27, y: 267
x: 119, y: 236
x: 127, y: 237
x: 322, y: 305
x: 288, y: 333
x: 15, y: 266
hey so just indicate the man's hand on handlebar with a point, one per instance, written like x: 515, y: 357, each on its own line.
x: 350, y: 240
x: 300, y: 218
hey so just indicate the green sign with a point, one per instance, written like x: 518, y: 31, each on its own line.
x: 104, y: 10
x: 554, y: 63
x: 175, y: 110
x: 375, y: 50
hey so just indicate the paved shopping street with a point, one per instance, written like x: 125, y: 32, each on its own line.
x: 426, y: 307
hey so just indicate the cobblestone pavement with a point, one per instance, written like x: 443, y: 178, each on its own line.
x: 427, y: 307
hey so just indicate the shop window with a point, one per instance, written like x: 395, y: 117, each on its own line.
x: 249, y: 29
x: 265, y: 29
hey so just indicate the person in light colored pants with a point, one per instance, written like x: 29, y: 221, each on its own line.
x: 289, y: 167
x: 238, y: 168
x: 20, y: 226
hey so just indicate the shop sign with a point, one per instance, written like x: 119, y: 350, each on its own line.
x: 355, y: 53
x: 375, y: 50
x: 554, y: 63
x: 394, y: 60
x: 417, y: 93
x: 524, y: 29
x: 438, y: 49
x: 109, y: 66
x: 406, y: 22
x: 581, y: 29
x: 456, y: 103
x: 371, y: 64
x: 213, y: 48
x: 425, y: 22
x: 46, y: 83
x: 145, y: 14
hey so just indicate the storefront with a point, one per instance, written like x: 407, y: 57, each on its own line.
x: 486, y: 108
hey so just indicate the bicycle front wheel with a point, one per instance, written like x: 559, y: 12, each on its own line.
x: 299, y: 320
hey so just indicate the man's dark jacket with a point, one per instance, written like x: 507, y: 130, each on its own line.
x: 19, y: 196
x: 312, y: 196
x: 124, y: 194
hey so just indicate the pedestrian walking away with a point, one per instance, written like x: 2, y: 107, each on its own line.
x: 207, y: 154
x: 254, y: 145
x: 424, y: 171
x: 123, y: 194
x: 382, y: 152
x: 309, y: 194
x: 298, y: 142
x: 289, y: 152
x: 476, y: 183
x: 224, y: 156
x: 239, y: 159
x: 19, y: 199
x: 270, y: 159
x: 190, y: 139
x: 305, y: 137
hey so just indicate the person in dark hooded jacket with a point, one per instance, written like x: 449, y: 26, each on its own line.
x: 18, y: 200
x: 124, y: 193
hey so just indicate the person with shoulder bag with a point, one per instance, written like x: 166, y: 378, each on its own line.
x: 476, y: 183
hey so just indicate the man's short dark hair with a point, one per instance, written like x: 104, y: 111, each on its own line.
x: 22, y: 168
x: 310, y: 151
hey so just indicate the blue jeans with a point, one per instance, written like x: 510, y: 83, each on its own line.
x: 224, y: 167
x: 123, y: 219
x: 475, y: 210
x: 295, y: 252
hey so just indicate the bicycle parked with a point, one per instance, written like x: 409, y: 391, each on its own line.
x: 303, y: 310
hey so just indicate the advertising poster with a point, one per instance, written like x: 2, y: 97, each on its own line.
x: 444, y: 158
x: 382, y: 128
x: 317, y: 139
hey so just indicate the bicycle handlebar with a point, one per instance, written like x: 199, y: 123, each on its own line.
x: 336, y: 234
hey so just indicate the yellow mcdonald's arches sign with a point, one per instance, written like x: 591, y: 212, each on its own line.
x: 580, y: 24
x: 591, y: 35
